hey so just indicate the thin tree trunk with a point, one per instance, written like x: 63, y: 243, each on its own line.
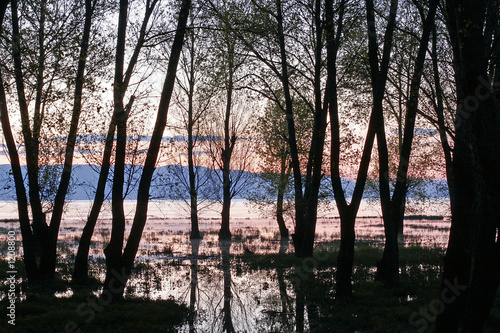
x: 40, y: 227
x: 227, y: 151
x: 113, y: 250
x: 115, y: 285
x: 395, y: 209
x: 29, y: 245
x: 50, y: 261
x: 292, y: 140
x: 193, y: 192
x: 80, y: 274
x: 439, y: 108
x: 282, y: 183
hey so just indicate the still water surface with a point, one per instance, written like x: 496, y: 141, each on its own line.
x: 225, y: 292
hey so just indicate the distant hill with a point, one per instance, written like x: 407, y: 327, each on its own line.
x: 168, y: 183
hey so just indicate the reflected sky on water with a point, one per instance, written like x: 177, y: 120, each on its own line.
x: 224, y: 292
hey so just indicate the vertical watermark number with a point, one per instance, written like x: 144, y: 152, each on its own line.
x: 11, y: 277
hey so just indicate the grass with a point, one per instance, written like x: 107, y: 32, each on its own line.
x: 89, y: 314
x: 373, y: 308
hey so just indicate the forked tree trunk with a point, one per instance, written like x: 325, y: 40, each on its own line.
x: 314, y: 171
x: 393, y: 208
x: 347, y: 212
x: 29, y: 245
x: 80, y: 273
x: 43, y: 239
x: 116, y: 279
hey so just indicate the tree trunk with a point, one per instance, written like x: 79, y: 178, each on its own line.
x: 473, y: 257
x: 80, y: 274
x: 395, y: 212
x: 113, y: 250
x: 227, y: 151
x: 29, y: 245
x: 315, y: 161
x: 62, y: 190
x: 292, y: 140
x: 379, y: 79
x: 193, y: 192
x: 347, y: 212
x: 44, y: 235
x: 40, y: 227
x: 439, y: 107
x: 283, y: 181
x: 345, y: 258
x: 118, y: 279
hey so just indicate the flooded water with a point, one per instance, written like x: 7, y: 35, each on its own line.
x: 218, y: 280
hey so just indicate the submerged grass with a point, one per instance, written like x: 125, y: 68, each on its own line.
x: 373, y: 308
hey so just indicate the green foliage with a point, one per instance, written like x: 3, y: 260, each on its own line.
x: 271, y: 131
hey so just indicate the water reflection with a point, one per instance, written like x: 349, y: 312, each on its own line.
x: 303, y: 299
x: 286, y: 302
x: 195, y: 245
x: 227, y: 321
x: 225, y: 294
x: 220, y: 282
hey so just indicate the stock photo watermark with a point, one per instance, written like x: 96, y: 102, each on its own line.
x: 309, y: 265
x: 11, y: 277
x: 470, y: 103
x: 89, y: 309
x: 427, y: 314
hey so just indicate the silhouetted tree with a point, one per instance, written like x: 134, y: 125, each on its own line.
x: 472, y: 261
x: 118, y: 270
x: 41, y: 238
x: 393, y: 206
x: 120, y: 115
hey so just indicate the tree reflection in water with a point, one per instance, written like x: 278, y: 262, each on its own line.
x: 195, y: 245
x: 227, y: 321
x: 286, y: 302
x: 227, y: 290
